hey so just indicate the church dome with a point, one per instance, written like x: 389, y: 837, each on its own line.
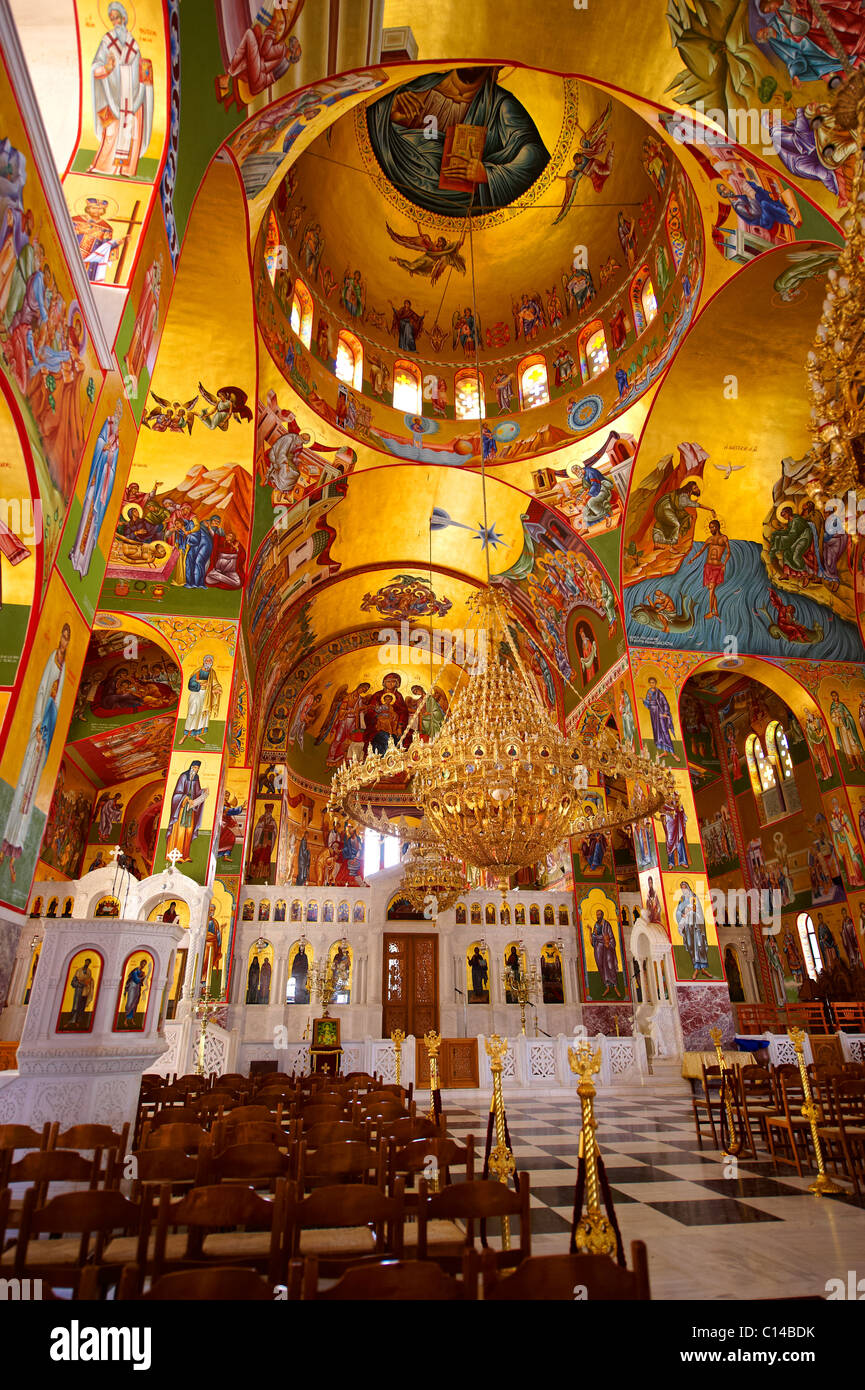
x: 530, y: 218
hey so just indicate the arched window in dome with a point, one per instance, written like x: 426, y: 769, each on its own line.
x: 760, y: 769
x: 644, y: 301
x: 349, y: 359
x: 778, y: 752
x: 675, y: 229
x: 274, y: 251
x: 592, y: 347
x: 407, y: 388
x: 532, y: 376
x: 809, y: 944
x: 468, y: 400
x: 301, y: 312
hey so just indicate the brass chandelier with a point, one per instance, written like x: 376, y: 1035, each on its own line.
x: 836, y: 362
x: 500, y: 786
x: 430, y: 872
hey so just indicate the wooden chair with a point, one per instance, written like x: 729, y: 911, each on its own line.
x: 788, y: 1120
x: 706, y: 1101
x: 256, y: 1165
x: 422, y: 1158
x: 212, y: 1217
x: 92, y: 1137
x: 223, y: 1284
x: 321, y: 1115
x: 395, y: 1281
x: 345, y: 1162
x: 343, y: 1225
x: 14, y: 1137
x: 173, y: 1115
x: 227, y: 1133
x: 243, y: 1113
x: 182, y: 1135
x: 567, y: 1277
x: 811, y: 1017
x: 844, y: 1135
x: 757, y: 1097
x: 42, y: 1167
x: 467, y: 1202
x: 404, y: 1130
x: 177, y: 1168
x: 335, y: 1132
x: 76, y: 1218
x: 849, y: 1017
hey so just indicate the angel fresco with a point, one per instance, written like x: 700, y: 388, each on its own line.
x: 173, y: 417
x: 435, y: 256
x: 590, y: 160
x: 228, y: 404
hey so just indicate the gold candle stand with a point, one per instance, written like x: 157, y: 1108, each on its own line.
x: 502, y: 1162
x: 735, y: 1145
x: 822, y: 1184
x: 397, y: 1037
x: 432, y: 1042
x: 594, y: 1234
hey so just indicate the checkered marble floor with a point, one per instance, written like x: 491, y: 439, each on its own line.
x: 758, y: 1234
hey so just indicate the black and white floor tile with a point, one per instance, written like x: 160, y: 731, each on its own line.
x: 710, y: 1232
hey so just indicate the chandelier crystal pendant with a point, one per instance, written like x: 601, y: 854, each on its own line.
x: 501, y: 786
x: 836, y: 362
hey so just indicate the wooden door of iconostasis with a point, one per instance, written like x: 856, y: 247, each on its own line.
x: 410, y: 984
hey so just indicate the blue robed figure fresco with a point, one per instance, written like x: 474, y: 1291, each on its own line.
x: 400, y: 129
x: 100, y: 486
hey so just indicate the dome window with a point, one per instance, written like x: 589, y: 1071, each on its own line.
x: 468, y: 400
x: 349, y: 360
x: 594, y: 355
x: 301, y: 312
x: 534, y: 389
x: 644, y: 301
x: 407, y: 388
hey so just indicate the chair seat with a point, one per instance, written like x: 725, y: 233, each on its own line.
x: 47, y: 1252
x: 230, y: 1243
x: 123, y: 1250
x: 446, y: 1236
x: 834, y: 1131
x: 338, y: 1240
x: 798, y: 1120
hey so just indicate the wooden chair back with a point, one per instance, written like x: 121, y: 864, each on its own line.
x: 566, y: 1277
x: 422, y: 1156
x: 220, y: 1207
x: 343, y: 1206
x: 226, y: 1133
x: 224, y: 1284
x: 14, y: 1137
x: 175, y: 1136
x: 334, y: 1132
x: 42, y: 1167
x: 92, y: 1137
x: 87, y: 1214
x: 177, y: 1167
x: 394, y: 1281
x: 349, y: 1161
x: 321, y: 1114
x: 483, y: 1200
x: 408, y: 1128
x: 175, y: 1115
x: 254, y: 1164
